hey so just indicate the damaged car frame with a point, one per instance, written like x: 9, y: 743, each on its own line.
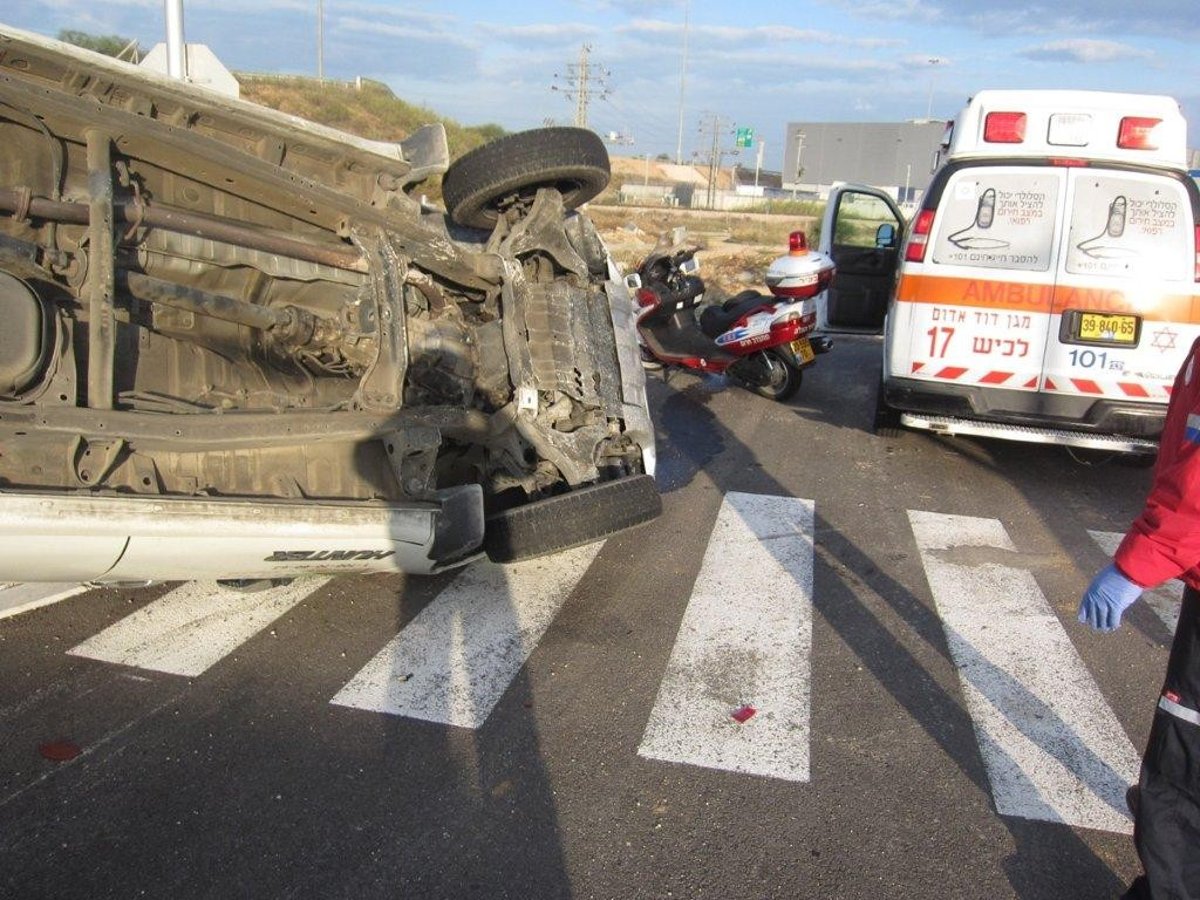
x: 236, y: 346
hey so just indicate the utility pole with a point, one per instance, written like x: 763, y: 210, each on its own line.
x: 578, y: 85
x: 714, y: 125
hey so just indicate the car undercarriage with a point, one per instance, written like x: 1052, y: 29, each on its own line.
x: 238, y: 346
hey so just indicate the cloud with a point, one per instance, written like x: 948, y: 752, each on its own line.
x: 560, y: 33
x: 1083, y: 50
x: 759, y: 35
x: 1174, y: 18
x: 401, y: 50
x: 629, y: 7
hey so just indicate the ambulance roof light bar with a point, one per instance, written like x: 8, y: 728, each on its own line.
x: 1096, y: 126
x: 1137, y: 133
x: 1004, y: 127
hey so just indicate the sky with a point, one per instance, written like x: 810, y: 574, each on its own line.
x: 665, y: 75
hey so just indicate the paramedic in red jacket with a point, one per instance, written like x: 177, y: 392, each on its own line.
x: 1164, y: 543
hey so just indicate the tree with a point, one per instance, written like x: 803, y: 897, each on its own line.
x: 108, y: 44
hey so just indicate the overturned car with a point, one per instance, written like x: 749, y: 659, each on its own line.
x: 235, y: 345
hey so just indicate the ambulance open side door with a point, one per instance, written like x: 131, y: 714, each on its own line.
x: 861, y: 232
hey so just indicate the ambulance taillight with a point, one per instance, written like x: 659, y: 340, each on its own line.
x: 918, y: 239
x: 1197, y: 275
x: 1138, y: 133
x: 1004, y: 128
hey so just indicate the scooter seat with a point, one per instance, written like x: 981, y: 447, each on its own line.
x: 672, y: 342
x: 716, y: 320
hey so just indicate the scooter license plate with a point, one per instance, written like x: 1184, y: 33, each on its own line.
x: 803, y: 349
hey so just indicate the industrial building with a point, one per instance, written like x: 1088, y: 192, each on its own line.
x: 897, y: 157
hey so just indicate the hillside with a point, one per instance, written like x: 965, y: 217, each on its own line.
x: 368, y: 109
x: 736, y: 246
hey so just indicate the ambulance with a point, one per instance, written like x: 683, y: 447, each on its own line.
x: 1047, y: 289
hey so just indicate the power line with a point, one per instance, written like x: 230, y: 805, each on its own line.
x: 583, y: 81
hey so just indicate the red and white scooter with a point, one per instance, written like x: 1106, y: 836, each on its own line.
x: 763, y: 341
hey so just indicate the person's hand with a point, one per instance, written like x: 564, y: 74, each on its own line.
x: 1109, y: 595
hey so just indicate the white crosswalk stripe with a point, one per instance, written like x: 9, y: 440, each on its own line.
x: 455, y: 660
x: 1053, y: 749
x: 1165, y: 600
x: 744, y: 644
x: 19, y: 598
x: 194, y: 626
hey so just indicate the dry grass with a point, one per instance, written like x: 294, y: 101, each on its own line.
x: 735, y: 248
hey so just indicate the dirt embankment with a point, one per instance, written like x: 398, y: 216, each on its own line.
x: 735, y: 248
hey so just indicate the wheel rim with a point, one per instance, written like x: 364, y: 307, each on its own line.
x: 779, y: 375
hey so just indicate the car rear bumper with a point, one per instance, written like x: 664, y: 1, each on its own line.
x: 46, y: 537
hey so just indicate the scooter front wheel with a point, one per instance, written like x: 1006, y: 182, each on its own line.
x: 783, y: 379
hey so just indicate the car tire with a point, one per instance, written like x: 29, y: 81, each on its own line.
x: 571, y: 520
x: 480, y: 183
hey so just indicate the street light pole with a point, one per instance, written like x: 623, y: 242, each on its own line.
x: 321, y: 41
x: 682, y: 83
x: 799, y: 168
x: 933, y: 61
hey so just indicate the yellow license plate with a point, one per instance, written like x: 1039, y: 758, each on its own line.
x: 803, y: 349
x: 1104, y: 327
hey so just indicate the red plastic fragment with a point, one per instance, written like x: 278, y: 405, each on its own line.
x: 60, y: 751
x: 744, y: 714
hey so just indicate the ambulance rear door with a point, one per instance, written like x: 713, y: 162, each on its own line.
x: 976, y: 309
x: 1122, y: 310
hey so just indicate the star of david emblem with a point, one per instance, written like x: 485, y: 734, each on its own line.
x: 1164, y: 340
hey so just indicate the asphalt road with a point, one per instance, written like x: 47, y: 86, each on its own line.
x: 926, y: 718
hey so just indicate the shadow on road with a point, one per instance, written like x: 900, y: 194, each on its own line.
x: 1049, y: 861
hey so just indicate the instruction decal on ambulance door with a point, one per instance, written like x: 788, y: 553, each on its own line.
x: 1002, y: 220
x: 1126, y: 225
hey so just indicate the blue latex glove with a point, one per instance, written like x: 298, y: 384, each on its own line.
x: 1109, y: 595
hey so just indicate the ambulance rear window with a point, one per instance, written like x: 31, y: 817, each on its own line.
x: 1001, y: 219
x: 1129, y: 224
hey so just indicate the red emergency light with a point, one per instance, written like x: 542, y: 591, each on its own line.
x: 797, y: 243
x: 1137, y: 133
x: 1004, y: 128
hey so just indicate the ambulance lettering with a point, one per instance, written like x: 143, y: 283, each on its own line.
x: 986, y: 346
x: 1008, y: 294
x: 948, y: 315
x: 1093, y: 299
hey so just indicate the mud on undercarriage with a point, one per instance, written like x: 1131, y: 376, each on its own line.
x: 236, y: 346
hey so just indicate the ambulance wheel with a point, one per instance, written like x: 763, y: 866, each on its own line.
x: 887, y: 420
x: 784, y: 378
